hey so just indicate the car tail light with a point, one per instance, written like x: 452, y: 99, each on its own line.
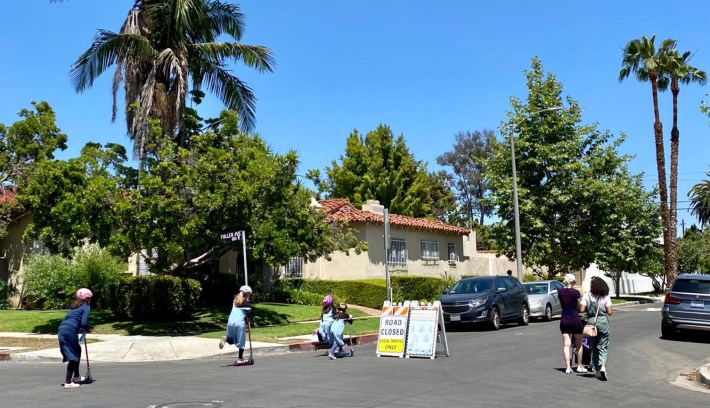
x: 672, y: 300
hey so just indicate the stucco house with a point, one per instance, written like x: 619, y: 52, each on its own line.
x: 418, y: 246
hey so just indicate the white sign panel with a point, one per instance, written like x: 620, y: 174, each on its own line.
x: 421, y: 338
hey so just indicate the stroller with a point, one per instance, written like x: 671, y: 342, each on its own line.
x: 586, y: 352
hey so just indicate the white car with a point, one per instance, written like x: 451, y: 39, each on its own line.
x: 543, y: 299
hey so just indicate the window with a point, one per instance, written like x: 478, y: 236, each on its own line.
x: 398, y: 252
x: 294, y: 269
x: 430, y: 250
x: 452, y: 253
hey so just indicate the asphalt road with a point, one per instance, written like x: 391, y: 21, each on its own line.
x: 516, y: 366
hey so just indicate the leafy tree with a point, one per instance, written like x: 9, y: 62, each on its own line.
x: 442, y: 195
x: 642, y: 59
x: 227, y: 180
x: 380, y: 167
x: 652, y: 267
x: 23, y: 145
x: 700, y: 201
x: 563, y: 170
x: 631, y: 229
x: 468, y: 165
x: 163, y: 47
x: 694, y: 251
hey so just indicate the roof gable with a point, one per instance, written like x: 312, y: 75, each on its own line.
x: 342, y: 209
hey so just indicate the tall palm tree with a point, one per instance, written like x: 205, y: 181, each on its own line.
x: 700, y: 201
x: 641, y: 58
x: 163, y: 47
x: 679, y: 71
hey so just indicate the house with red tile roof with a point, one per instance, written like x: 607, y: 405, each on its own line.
x: 418, y: 246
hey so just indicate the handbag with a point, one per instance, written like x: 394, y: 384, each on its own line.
x: 590, y: 330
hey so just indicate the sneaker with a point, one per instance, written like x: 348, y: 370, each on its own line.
x: 78, y: 379
x: 239, y: 361
x: 332, y: 356
x: 568, y: 371
x: 603, y: 373
x: 71, y: 385
x: 222, y: 341
x: 598, y: 374
x: 582, y: 369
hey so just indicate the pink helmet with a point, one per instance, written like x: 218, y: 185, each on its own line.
x: 83, y: 294
x: 328, y: 300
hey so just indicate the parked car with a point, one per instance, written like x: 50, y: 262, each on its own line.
x: 543, y: 299
x: 492, y: 300
x: 687, y: 305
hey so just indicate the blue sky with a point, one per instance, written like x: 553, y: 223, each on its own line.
x: 427, y: 69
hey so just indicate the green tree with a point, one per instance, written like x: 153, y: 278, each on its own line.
x: 442, y: 196
x: 563, y: 168
x: 227, y: 180
x: 631, y: 227
x: 642, y: 59
x: 380, y: 167
x: 694, y: 251
x: 23, y: 146
x: 467, y: 160
x: 700, y: 201
x: 162, y: 48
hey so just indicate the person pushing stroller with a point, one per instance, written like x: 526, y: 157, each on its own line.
x: 337, y: 328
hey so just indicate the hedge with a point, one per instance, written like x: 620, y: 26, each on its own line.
x: 418, y: 288
x: 155, y: 298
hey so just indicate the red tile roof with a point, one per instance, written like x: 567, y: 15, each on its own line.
x: 341, y: 209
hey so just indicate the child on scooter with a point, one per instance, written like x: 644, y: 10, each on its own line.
x: 326, y: 318
x: 337, y: 328
x: 238, y: 320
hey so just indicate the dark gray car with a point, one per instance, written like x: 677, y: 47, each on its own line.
x: 486, y: 299
x: 687, y: 305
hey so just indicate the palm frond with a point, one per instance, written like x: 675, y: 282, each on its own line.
x: 234, y: 93
x: 253, y: 56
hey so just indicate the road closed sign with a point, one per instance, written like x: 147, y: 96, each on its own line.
x: 393, y: 331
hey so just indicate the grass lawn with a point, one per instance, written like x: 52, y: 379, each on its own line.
x: 271, y: 320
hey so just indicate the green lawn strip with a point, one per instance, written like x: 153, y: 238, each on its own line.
x: 273, y: 334
x: 204, y: 321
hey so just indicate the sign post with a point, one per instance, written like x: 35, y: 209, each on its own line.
x: 386, y: 221
x: 235, y: 236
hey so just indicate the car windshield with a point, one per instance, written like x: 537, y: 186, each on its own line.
x: 471, y: 286
x: 692, y: 286
x: 536, y: 288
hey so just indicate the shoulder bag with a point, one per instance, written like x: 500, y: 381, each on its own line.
x: 590, y: 330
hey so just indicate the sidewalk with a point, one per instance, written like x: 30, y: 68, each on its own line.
x: 130, y: 349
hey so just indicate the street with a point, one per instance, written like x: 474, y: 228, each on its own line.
x: 516, y: 366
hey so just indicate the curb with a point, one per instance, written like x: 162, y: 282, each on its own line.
x: 704, y: 375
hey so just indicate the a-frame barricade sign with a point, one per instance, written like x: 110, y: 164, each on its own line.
x: 391, y: 338
x: 426, y: 329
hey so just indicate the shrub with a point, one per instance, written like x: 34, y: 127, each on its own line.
x: 302, y: 297
x: 52, y: 280
x: 418, y: 288
x: 155, y: 298
x: 355, y: 292
x: 5, y: 291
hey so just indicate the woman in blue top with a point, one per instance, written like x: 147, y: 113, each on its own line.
x: 76, y: 321
x: 238, y: 320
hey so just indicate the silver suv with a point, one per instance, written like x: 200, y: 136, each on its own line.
x: 687, y: 305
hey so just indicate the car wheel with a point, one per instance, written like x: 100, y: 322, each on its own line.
x: 524, y: 317
x: 668, y: 331
x: 495, y: 318
x: 548, y: 313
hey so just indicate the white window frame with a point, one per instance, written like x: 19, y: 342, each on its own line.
x: 453, y: 257
x: 430, y: 250
x: 294, y: 268
x: 398, y: 252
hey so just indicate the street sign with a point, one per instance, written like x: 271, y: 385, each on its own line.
x: 232, y: 236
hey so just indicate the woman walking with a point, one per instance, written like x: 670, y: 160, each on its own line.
x: 597, y: 300
x: 237, y: 323
x: 571, y: 323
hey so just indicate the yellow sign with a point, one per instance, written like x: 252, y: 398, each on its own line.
x: 390, y: 345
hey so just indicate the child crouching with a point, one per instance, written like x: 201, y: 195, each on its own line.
x: 337, y: 328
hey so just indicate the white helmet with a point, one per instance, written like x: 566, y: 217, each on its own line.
x: 245, y: 289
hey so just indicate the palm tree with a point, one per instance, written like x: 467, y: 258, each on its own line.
x: 700, y: 201
x: 641, y: 58
x: 679, y: 71
x: 163, y: 47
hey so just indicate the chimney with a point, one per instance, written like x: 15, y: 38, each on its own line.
x: 374, y: 206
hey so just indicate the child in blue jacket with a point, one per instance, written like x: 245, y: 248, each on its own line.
x: 337, y: 328
x: 237, y: 323
x: 326, y: 319
x: 76, y: 321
